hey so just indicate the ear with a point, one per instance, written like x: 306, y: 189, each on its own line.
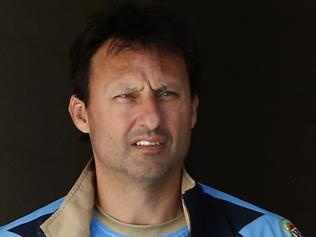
x: 78, y: 113
x: 195, y: 104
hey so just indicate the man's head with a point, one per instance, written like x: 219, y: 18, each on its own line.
x: 134, y: 91
x: 127, y: 24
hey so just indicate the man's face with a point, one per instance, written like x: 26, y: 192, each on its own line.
x: 140, y: 112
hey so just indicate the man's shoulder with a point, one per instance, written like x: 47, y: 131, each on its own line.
x: 234, y: 201
x: 29, y: 225
x: 249, y: 219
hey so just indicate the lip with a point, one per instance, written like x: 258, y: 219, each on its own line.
x: 162, y: 140
x: 149, y: 149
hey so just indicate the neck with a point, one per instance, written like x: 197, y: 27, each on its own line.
x: 140, y: 203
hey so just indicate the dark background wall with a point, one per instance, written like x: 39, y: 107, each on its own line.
x: 257, y: 122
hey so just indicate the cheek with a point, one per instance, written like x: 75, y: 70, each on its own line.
x: 106, y: 122
x: 179, y: 127
x: 178, y: 119
x: 113, y: 122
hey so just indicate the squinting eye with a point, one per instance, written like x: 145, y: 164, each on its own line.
x: 125, y: 96
x: 168, y: 93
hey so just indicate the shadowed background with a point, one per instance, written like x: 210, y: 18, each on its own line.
x: 256, y: 125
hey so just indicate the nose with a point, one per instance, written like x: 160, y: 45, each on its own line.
x: 150, y: 114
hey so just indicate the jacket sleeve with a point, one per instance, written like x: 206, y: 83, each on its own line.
x: 5, y: 233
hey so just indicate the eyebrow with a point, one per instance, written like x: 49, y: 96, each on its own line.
x: 161, y: 89
x: 131, y: 89
x: 135, y: 89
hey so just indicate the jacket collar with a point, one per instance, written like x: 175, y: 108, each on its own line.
x: 74, y: 216
x: 207, y: 218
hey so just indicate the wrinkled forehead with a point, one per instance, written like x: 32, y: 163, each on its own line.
x: 133, y: 68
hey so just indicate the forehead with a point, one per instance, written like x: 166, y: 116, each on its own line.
x: 107, y: 62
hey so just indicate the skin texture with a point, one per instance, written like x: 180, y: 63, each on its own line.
x: 138, y: 95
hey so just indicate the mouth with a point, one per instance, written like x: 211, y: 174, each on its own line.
x: 146, y: 143
x: 149, y: 144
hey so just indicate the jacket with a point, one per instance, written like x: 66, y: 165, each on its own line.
x: 208, y: 212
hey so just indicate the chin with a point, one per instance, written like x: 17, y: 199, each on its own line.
x: 150, y: 173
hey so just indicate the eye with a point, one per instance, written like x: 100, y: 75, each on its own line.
x: 125, y: 96
x: 168, y: 94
